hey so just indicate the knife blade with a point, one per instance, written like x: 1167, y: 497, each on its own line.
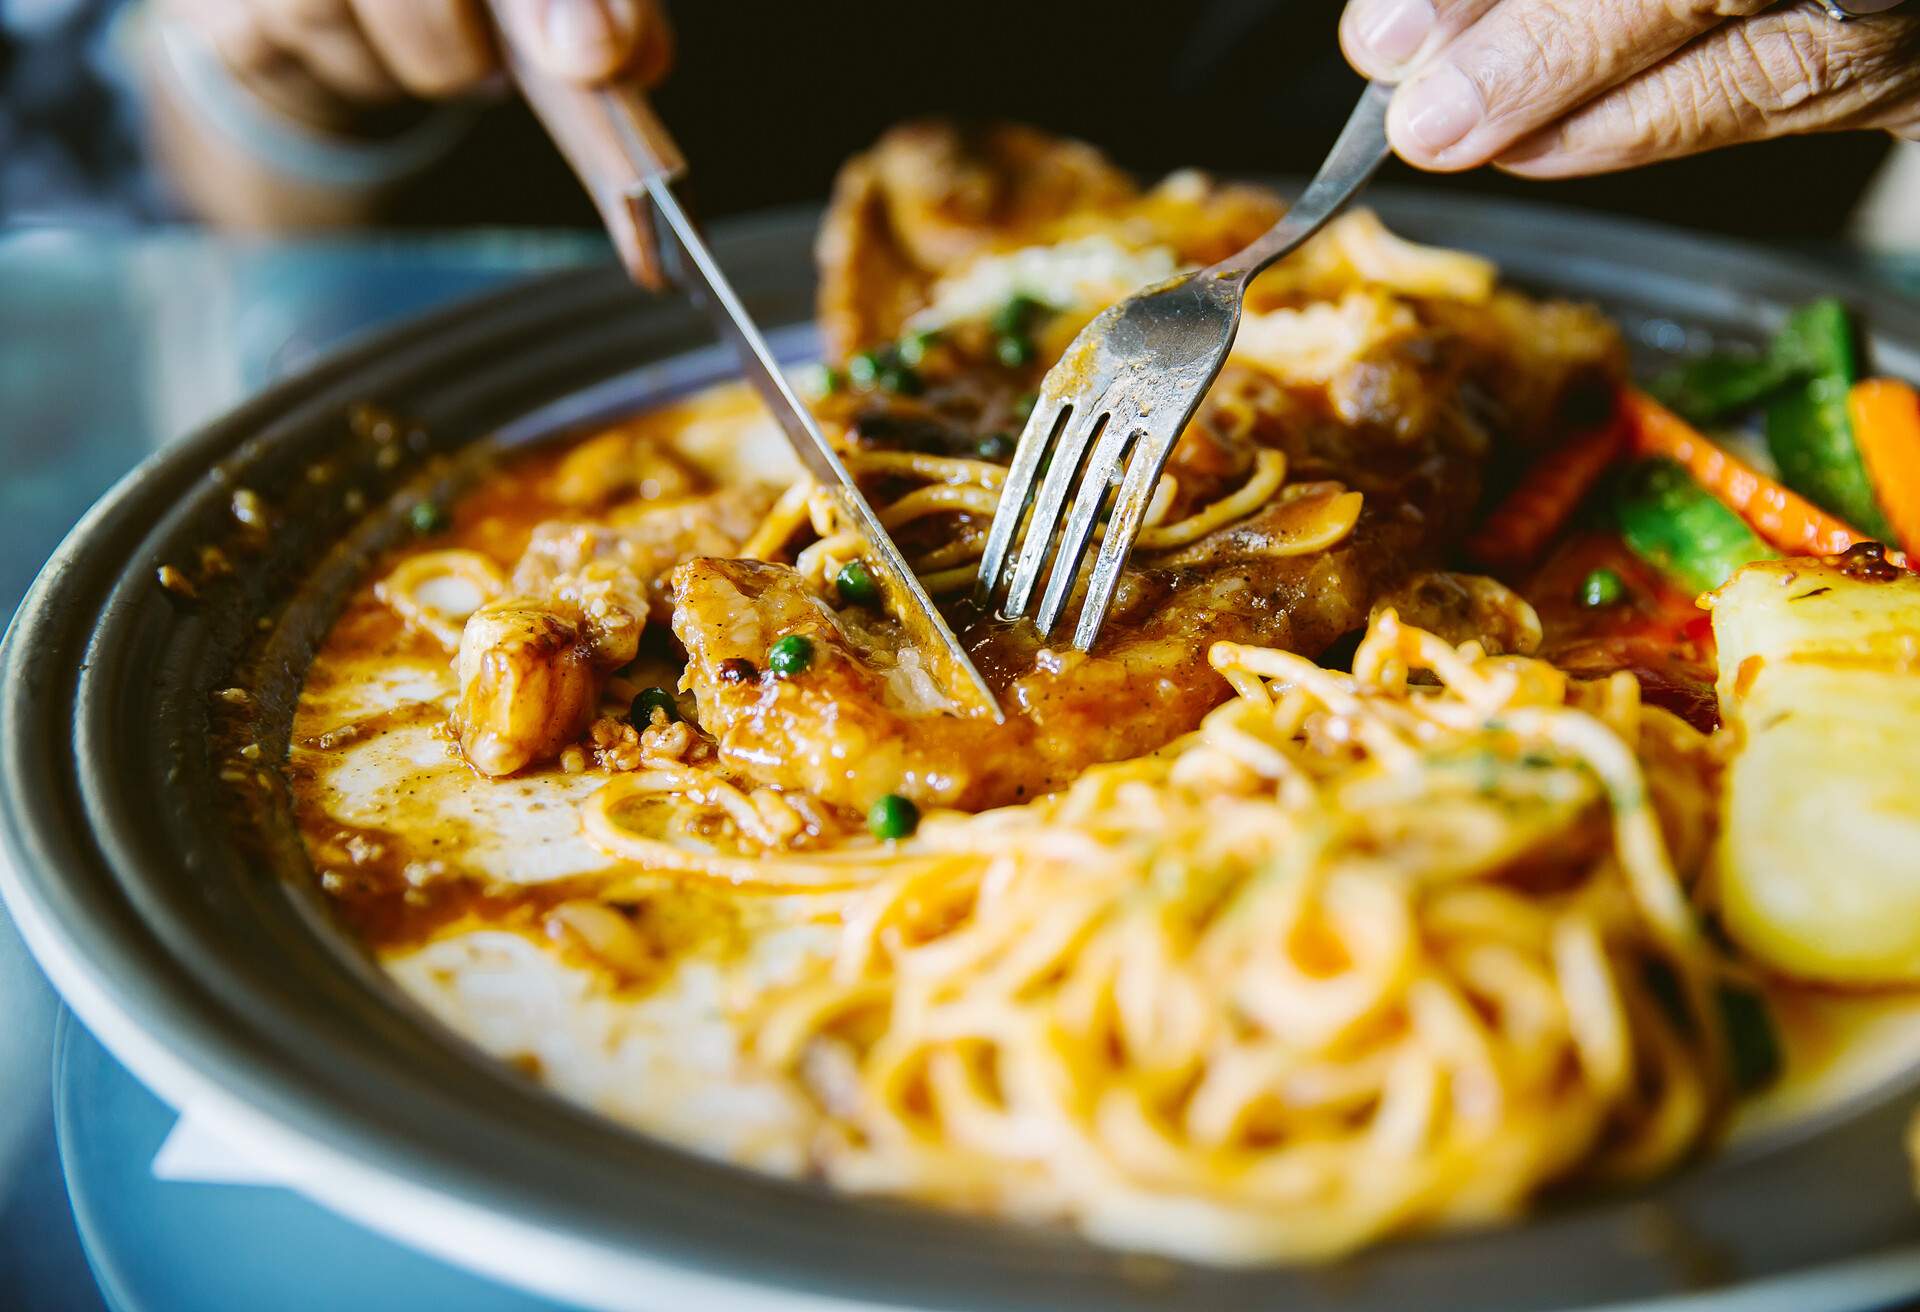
x: 907, y: 598
x: 628, y: 163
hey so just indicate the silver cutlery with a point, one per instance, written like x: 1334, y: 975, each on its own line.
x: 1113, y: 407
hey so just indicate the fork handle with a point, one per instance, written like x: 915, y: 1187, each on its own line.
x: 1354, y: 159
x: 611, y: 137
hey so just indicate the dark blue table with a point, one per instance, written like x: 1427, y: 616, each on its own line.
x: 111, y: 345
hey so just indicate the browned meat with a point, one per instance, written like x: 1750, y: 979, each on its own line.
x: 930, y: 196
x: 532, y: 665
x: 1467, y: 607
x: 646, y: 539
x: 1406, y: 423
x: 620, y: 462
x: 530, y: 672
x: 848, y: 729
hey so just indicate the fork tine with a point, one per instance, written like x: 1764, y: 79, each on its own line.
x: 1049, y: 504
x: 1129, y: 508
x: 1095, y: 484
x: 1043, y: 428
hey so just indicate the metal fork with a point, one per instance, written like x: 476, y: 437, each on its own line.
x: 1126, y: 389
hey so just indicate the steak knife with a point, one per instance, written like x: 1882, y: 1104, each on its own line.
x: 628, y: 163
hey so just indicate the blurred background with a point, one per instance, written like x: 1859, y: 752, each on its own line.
x: 768, y: 98
x: 127, y: 318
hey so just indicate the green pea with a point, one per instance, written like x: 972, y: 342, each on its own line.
x: 649, y: 700
x: 1013, y: 350
x: 913, y: 347
x: 1017, y: 315
x: 1753, y: 1044
x: 856, y: 584
x: 893, y: 816
x: 790, y: 655
x: 865, y: 368
x: 1603, y: 587
x: 899, y: 380
x: 429, y: 517
x: 995, y: 446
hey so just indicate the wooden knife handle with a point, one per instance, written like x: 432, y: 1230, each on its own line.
x: 611, y: 137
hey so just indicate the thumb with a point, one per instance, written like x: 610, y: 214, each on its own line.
x: 591, y: 40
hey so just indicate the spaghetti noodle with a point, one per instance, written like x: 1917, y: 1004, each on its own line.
x: 1364, y: 952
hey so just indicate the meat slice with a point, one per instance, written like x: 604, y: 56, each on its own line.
x: 857, y: 724
x: 532, y: 664
x: 930, y: 195
x: 531, y: 667
x: 529, y: 681
x: 646, y: 539
x: 1400, y: 415
x: 850, y: 728
x: 930, y: 198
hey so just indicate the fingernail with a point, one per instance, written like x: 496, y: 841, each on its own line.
x: 590, y: 37
x: 1438, y: 108
x: 1392, y: 31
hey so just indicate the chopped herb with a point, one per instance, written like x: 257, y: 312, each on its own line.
x: 1013, y: 350
x: 893, y: 816
x: 1016, y: 318
x: 1663, y: 982
x: 913, y: 347
x: 865, y: 368
x: 856, y: 585
x: 649, y: 700
x: 428, y: 518
x: 790, y: 655
x: 1753, y: 1045
x: 995, y: 446
x: 1603, y: 587
x: 899, y: 380
x: 831, y: 380
x: 1024, y: 403
x: 885, y: 369
x: 738, y: 669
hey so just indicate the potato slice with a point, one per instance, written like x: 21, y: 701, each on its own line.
x: 1819, y: 862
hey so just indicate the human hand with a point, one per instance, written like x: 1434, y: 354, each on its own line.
x: 329, y: 62
x: 1558, y: 88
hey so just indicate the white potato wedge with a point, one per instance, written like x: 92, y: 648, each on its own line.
x: 1819, y: 863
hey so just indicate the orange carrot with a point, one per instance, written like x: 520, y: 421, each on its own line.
x: 1783, y: 517
x: 1886, y: 428
x: 1547, y: 496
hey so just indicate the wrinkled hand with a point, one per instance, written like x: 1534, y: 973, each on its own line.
x: 1556, y: 88
x: 327, y: 62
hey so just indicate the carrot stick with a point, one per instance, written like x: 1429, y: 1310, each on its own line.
x: 1547, y: 496
x: 1886, y: 428
x: 1784, y: 518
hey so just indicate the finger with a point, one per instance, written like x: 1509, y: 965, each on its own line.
x: 1385, y: 38
x: 324, y: 35
x: 591, y: 40
x: 433, y: 48
x: 1783, y: 72
x: 278, y: 76
x: 1527, y: 63
x: 657, y: 47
